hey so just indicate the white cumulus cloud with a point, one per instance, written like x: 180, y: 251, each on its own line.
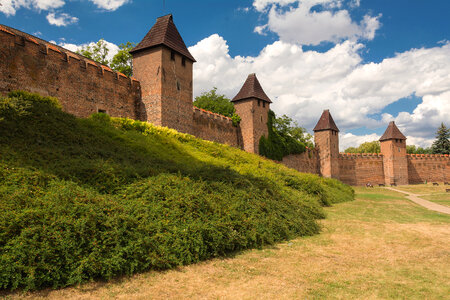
x: 9, y: 7
x: 306, y: 26
x: 109, y: 4
x: 113, y: 48
x: 61, y: 19
x: 302, y: 83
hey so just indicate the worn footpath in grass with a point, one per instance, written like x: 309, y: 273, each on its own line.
x: 380, y: 246
x: 430, y: 192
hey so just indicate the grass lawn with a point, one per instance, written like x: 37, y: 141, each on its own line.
x: 422, y: 189
x: 379, y: 246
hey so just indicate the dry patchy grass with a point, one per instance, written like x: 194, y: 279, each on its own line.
x: 379, y: 246
x: 429, y: 192
x: 422, y: 189
x: 440, y: 198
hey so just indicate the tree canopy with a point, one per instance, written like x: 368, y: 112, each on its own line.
x: 367, y: 147
x: 121, y: 62
x: 442, y: 143
x: 285, y: 137
x: 217, y: 103
x: 413, y: 149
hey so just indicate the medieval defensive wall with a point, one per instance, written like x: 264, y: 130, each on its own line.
x: 161, y: 92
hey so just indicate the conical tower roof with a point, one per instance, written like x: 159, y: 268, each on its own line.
x: 326, y: 122
x: 251, y: 89
x: 164, y: 32
x: 392, y: 132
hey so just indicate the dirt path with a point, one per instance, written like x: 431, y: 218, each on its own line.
x: 425, y: 203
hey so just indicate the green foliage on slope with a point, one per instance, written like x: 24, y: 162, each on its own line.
x: 84, y: 199
x: 282, y: 139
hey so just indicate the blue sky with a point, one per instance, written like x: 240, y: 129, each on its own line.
x: 369, y: 62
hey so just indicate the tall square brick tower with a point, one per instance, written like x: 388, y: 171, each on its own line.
x: 163, y: 65
x: 393, y: 148
x: 252, y: 105
x: 326, y: 140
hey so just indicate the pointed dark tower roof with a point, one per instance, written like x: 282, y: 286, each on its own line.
x: 392, y: 132
x: 326, y: 122
x: 251, y: 89
x: 164, y: 32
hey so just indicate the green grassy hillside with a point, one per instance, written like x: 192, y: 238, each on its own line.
x: 84, y: 199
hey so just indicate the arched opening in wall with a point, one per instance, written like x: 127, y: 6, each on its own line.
x: 101, y: 111
x: 178, y: 86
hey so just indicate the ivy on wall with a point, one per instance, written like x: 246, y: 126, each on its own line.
x: 278, y: 144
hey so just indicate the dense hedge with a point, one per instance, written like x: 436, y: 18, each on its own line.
x: 82, y: 199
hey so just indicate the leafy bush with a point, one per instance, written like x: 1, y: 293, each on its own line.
x: 83, y: 199
x: 278, y: 144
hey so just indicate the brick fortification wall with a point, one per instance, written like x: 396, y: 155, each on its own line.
x: 215, y: 127
x: 428, y: 167
x: 82, y: 86
x: 306, y: 162
x: 85, y: 87
x: 360, y: 169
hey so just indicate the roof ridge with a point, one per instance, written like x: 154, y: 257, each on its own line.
x: 326, y: 122
x: 251, y: 89
x: 164, y: 32
x: 392, y: 132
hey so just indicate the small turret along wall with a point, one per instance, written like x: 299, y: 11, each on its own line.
x: 360, y: 169
x: 428, y: 167
x: 82, y: 86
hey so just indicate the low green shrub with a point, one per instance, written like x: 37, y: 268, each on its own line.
x: 84, y: 199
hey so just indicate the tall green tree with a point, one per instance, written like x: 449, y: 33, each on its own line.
x: 285, y: 137
x: 98, y: 52
x: 287, y: 127
x: 218, y: 104
x: 442, y: 143
x: 122, y: 61
x: 215, y: 102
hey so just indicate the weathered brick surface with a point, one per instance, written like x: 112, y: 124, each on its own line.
x: 216, y: 128
x: 166, y: 87
x: 394, y: 161
x: 85, y: 87
x: 428, y: 167
x: 307, y: 162
x: 360, y: 169
x: 254, y: 115
x: 82, y: 86
x: 327, y: 143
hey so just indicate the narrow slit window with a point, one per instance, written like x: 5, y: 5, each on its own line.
x: 172, y: 55
x: 264, y: 104
x: 178, y: 86
x: 183, y: 62
x: 259, y: 102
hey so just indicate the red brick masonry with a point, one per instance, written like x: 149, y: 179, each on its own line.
x: 163, y: 96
